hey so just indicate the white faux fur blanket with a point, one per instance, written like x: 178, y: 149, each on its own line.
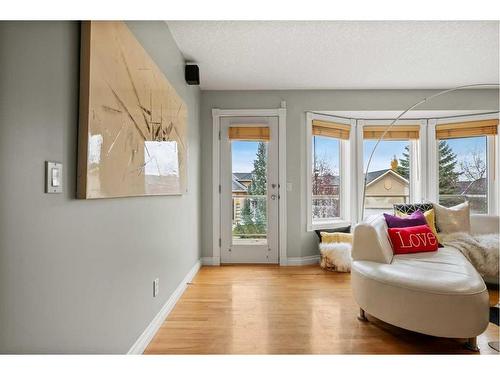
x: 336, y: 256
x: 481, y: 250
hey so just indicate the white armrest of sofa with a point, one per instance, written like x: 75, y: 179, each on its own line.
x: 371, y: 242
x: 484, y: 224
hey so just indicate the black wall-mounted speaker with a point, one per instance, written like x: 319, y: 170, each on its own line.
x: 192, y: 74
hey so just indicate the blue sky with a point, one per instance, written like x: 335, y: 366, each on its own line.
x: 384, y: 154
x: 243, y: 153
x: 464, y: 147
x: 327, y: 148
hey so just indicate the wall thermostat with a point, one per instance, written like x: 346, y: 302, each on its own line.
x: 53, y: 177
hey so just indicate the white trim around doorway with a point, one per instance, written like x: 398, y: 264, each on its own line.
x: 216, y: 225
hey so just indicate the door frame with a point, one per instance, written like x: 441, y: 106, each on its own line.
x: 235, y: 251
x: 217, y: 113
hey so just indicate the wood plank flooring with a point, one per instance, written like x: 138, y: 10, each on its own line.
x: 286, y: 310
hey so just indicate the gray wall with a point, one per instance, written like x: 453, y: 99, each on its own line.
x: 76, y: 276
x: 301, y: 242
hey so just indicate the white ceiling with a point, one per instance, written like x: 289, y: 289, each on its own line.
x: 250, y: 55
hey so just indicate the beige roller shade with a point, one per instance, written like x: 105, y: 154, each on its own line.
x: 467, y: 129
x: 330, y: 129
x: 249, y: 133
x: 396, y: 133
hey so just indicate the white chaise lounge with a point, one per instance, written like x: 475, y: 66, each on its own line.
x: 437, y: 293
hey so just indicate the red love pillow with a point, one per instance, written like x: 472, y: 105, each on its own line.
x: 413, y: 239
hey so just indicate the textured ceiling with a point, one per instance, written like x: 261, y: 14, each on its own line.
x: 246, y: 55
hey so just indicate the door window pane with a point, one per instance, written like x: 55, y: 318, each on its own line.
x: 249, y: 192
x: 388, y: 180
x: 325, y: 179
x: 463, y: 173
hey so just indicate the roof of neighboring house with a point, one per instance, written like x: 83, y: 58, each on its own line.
x: 478, y: 186
x: 372, y: 176
x: 238, y: 186
x: 243, y: 176
x: 376, y: 175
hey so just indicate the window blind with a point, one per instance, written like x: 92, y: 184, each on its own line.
x: 330, y: 129
x: 396, y: 133
x: 467, y: 129
x: 249, y: 133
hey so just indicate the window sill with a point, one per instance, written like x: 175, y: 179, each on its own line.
x: 331, y: 224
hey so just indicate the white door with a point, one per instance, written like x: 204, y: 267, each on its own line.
x: 249, y: 189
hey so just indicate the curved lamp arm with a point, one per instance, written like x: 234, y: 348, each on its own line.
x: 413, y: 106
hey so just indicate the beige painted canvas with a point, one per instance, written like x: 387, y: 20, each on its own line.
x: 132, y: 134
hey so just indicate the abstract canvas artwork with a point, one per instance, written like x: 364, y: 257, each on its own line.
x: 132, y: 132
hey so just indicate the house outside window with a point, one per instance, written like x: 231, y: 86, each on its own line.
x: 394, y: 174
x: 386, y: 187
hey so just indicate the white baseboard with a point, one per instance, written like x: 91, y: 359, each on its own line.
x: 148, y: 334
x: 289, y: 261
x: 210, y: 261
x: 302, y: 261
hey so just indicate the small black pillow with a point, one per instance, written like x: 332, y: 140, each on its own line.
x: 409, y: 208
x: 346, y: 229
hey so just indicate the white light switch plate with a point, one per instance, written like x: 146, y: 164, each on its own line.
x: 53, y: 177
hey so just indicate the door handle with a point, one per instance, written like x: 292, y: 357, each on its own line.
x: 273, y: 197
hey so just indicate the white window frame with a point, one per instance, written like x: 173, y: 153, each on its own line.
x: 346, y: 157
x: 492, y: 162
x: 417, y: 158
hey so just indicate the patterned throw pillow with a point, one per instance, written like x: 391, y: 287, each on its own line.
x: 408, y: 209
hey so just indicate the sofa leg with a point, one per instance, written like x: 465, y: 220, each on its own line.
x: 471, y: 344
x: 362, y: 315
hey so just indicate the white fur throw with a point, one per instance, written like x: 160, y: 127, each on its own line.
x: 336, y: 256
x: 481, y: 250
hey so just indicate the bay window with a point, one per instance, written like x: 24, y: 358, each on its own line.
x: 327, y: 158
x: 466, y: 163
x: 439, y: 156
x: 394, y: 173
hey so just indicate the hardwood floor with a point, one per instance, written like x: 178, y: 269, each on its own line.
x: 286, y: 310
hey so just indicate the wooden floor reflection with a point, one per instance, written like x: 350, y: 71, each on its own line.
x: 286, y: 310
